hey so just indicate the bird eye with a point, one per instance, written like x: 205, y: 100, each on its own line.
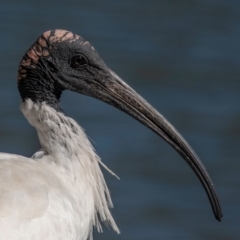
x: 79, y: 61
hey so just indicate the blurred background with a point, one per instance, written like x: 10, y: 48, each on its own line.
x: 184, y: 58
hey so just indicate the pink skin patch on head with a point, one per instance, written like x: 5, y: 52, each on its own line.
x: 59, y: 36
x: 46, y: 34
x: 26, y: 63
x: 60, y: 33
x: 32, y: 55
x: 42, y: 42
x: 45, y: 53
x: 42, y: 47
x: 37, y: 48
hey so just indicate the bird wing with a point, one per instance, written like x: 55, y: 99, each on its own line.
x: 33, y: 203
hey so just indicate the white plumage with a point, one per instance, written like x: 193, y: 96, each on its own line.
x: 59, y: 195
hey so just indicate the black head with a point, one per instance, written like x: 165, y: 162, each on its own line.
x: 57, y: 61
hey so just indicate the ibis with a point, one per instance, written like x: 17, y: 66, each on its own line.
x: 60, y: 192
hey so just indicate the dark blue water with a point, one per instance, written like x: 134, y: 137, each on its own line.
x: 184, y: 58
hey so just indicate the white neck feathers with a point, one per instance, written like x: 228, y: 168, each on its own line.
x: 69, y: 149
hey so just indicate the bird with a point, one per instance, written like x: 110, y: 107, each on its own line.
x: 60, y: 193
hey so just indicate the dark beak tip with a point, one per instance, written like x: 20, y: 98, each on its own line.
x: 219, y: 217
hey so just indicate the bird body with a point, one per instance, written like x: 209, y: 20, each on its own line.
x: 60, y: 193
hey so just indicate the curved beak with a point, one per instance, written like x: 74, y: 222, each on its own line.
x: 116, y: 92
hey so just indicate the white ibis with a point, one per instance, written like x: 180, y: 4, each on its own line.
x: 60, y: 193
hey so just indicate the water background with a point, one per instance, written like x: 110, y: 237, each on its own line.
x: 184, y: 58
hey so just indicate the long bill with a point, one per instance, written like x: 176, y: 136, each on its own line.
x: 116, y: 92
